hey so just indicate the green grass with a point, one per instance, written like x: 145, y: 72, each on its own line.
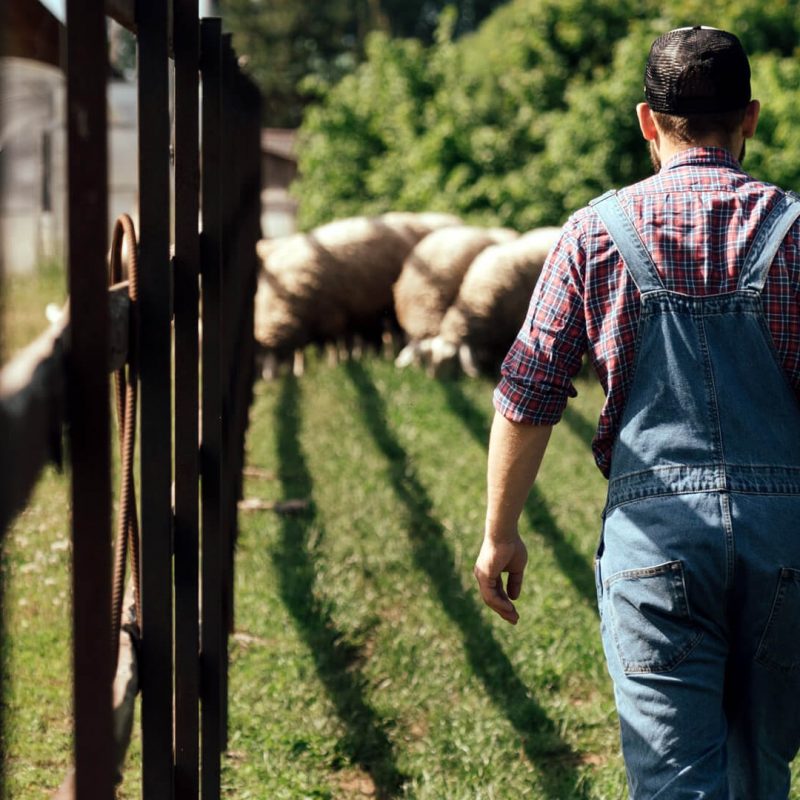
x: 23, y: 299
x: 36, y: 647
x: 36, y: 589
x: 365, y: 657
x: 36, y: 652
x: 363, y: 663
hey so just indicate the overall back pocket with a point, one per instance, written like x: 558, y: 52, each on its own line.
x: 649, y: 617
x: 779, y: 648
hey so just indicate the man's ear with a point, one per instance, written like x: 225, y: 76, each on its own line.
x: 646, y: 122
x: 750, y: 122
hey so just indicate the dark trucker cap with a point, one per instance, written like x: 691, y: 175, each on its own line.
x: 697, y: 70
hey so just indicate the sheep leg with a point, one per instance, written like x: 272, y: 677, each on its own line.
x: 332, y: 354
x: 299, y: 363
x: 269, y: 367
x: 466, y: 359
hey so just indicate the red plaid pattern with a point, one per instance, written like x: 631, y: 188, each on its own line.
x: 698, y: 217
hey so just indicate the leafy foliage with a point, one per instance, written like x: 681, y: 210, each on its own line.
x: 285, y: 42
x: 527, y: 118
x: 774, y: 153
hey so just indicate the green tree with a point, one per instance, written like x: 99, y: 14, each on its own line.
x: 774, y: 153
x: 478, y: 107
x: 527, y: 118
x: 364, y: 121
x: 285, y: 42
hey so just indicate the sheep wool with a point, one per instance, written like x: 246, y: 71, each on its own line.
x: 418, y: 223
x: 494, y: 297
x: 432, y: 274
x: 333, y: 281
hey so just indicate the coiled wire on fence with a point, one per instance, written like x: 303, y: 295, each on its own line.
x: 123, y: 259
x: 123, y: 265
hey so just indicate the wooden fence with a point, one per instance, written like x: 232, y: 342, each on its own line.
x: 203, y: 161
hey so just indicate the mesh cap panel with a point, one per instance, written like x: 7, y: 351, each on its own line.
x: 697, y: 71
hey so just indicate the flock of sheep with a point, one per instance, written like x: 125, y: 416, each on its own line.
x: 458, y: 293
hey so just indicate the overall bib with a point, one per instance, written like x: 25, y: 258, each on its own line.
x: 698, y: 569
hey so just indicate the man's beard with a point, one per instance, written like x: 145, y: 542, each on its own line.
x: 656, y: 161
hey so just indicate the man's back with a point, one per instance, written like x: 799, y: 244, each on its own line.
x: 698, y: 565
x: 697, y: 217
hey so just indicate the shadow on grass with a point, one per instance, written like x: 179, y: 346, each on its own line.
x: 572, y: 562
x: 579, y: 425
x: 366, y: 743
x: 432, y: 554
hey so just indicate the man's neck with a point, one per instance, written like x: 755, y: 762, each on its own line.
x: 669, y: 148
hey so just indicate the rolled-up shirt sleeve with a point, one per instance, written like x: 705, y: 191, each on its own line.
x: 537, y: 373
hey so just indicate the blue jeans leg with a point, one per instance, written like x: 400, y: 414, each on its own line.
x: 700, y: 608
x: 762, y: 701
x: 662, y: 583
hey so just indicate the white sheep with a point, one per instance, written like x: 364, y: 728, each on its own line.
x: 492, y: 302
x: 335, y: 280
x: 432, y: 274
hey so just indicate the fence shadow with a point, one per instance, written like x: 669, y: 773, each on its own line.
x: 572, y: 562
x: 579, y: 425
x: 366, y: 741
x: 432, y: 554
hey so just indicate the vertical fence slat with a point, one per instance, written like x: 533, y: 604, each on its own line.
x: 88, y: 397
x: 222, y: 260
x: 251, y: 225
x: 212, y: 664
x: 4, y: 32
x: 186, y: 48
x: 155, y: 376
x: 246, y: 163
x: 230, y: 145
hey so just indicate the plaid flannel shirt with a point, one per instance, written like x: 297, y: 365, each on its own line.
x: 697, y: 217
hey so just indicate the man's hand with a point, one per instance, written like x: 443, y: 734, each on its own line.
x: 515, y: 452
x: 495, y: 558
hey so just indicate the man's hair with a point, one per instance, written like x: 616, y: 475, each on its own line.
x: 694, y: 127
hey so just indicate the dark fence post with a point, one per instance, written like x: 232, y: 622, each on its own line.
x: 155, y: 376
x: 212, y: 664
x: 4, y: 30
x: 251, y: 191
x: 185, y: 726
x: 242, y: 194
x: 186, y: 47
x: 229, y: 282
x: 88, y: 398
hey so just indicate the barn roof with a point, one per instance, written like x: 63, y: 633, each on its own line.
x: 29, y: 30
x: 279, y: 142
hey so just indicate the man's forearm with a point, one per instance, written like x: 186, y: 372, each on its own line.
x: 515, y: 453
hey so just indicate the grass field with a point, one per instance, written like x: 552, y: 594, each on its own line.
x: 363, y: 663
x: 23, y: 299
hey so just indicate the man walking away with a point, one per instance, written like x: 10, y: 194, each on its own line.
x: 684, y: 289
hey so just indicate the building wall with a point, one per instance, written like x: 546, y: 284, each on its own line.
x: 33, y: 153
x: 33, y: 165
x: 278, y: 170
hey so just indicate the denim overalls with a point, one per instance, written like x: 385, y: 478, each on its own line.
x: 698, y: 570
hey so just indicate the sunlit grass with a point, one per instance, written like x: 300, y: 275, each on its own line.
x: 365, y: 644
x: 23, y: 299
x: 363, y: 663
x: 36, y: 647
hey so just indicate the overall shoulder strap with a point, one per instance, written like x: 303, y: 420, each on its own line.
x: 630, y: 245
x: 769, y: 238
